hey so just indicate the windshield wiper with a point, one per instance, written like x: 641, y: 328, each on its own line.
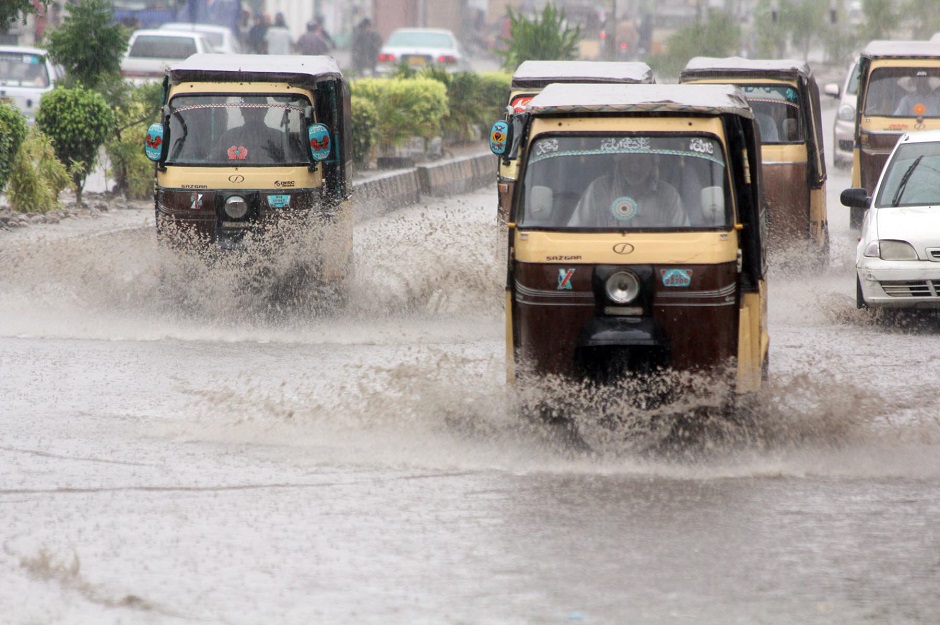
x: 907, y: 176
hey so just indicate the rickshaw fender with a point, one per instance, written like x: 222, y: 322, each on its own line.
x: 622, y: 331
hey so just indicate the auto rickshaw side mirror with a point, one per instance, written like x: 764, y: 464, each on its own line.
x: 501, y: 138
x: 320, y: 142
x: 832, y: 89
x: 855, y: 198
x: 153, y: 142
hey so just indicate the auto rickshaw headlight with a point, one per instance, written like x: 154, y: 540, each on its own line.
x: 622, y: 287
x: 236, y: 207
x: 897, y: 250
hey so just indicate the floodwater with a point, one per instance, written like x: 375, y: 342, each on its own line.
x: 175, y: 451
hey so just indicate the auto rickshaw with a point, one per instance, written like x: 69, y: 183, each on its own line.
x: 636, y: 234
x: 785, y: 100
x: 532, y: 76
x: 897, y: 93
x: 247, y: 142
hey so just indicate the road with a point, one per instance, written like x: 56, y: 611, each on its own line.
x: 178, y: 452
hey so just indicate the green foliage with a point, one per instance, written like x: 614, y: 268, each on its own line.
x: 474, y: 100
x: 38, y: 176
x: 545, y: 38
x: 70, y: 45
x: 926, y: 18
x: 806, y: 21
x: 881, y: 19
x: 12, y: 133
x: 405, y: 107
x: 719, y: 35
x: 130, y: 167
x: 365, y: 119
x: 77, y: 121
x: 10, y: 10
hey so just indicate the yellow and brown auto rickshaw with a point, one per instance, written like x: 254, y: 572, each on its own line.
x: 532, y: 76
x: 898, y: 92
x: 247, y: 142
x: 636, y: 234
x: 785, y: 100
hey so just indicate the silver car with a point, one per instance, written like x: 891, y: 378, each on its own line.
x: 221, y: 37
x: 25, y: 75
x: 897, y: 261
x: 150, y: 52
x: 843, y: 132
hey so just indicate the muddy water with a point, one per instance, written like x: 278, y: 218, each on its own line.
x: 178, y: 448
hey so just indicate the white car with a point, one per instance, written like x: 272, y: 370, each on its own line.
x: 25, y: 75
x: 421, y: 47
x: 898, y: 257
x: 843, y: 132
x: 221, y: 37
x: 150, y: 52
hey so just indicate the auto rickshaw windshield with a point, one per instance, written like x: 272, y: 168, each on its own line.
x: 912, y: 177
x: 903, y: 92
x: 636, y: 182
x: 244, y: 130
x: 777, y: 111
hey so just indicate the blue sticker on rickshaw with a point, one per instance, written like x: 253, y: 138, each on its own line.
x: 278, y: 201
x: 153, y: 143
x: 676, y: 277
x: 320, y: 143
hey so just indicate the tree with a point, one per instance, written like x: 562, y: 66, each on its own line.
x: 88, y: 45
x: 10, y: 10
x: 927, y: 21
x: 806, y: 21
x: 717, y: 36
x: 881, y: 20
x: 547, y: 38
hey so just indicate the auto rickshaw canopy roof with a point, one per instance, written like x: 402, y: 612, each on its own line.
x: 290, y: 68
x: 880, y: 49
x: 738, y: 67
x: 538, y: 74
x: 563, y: 98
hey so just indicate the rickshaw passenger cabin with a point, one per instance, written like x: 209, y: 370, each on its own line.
x: 785, y: 99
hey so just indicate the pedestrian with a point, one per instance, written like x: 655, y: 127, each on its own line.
x: 278, y: 39
x: 255, y: 37
x: 312, y: 42
x: 367, y: 43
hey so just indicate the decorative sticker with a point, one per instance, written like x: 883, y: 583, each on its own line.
x: 279, y: 201
x: 498, y: 135
x: 564, y: 279
x: 154, y: 142
x: 195, y: 201
x: 676, y: 277
x: 519, y: 104
x: 237, y: 153
x: 319, y: 136
x: 624, y: 208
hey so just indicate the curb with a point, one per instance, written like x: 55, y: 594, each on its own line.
x: 387, y: 192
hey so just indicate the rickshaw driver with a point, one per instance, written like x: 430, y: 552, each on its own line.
x: 633, y: 197
x: 921, y: 95
x: 254, y: 140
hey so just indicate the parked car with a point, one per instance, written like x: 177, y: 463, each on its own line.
x: 221, y: 37
x: 843, y: 131
x: 25, y: 75
x: 897, y: 262
x: 421, y: 47
x: 151, y: 52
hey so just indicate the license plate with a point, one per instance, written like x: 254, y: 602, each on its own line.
x: 416, y: 60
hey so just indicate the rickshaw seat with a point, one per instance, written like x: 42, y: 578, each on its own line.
x: 768, y: 128
x: 791, y: 129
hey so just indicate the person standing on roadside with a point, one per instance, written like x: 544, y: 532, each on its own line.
x: 278, y: 38
x: 312, y: 42
x: 255, y: 37
x: 367, y: 43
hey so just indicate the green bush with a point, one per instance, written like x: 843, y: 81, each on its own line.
x: 77, y: 121
x: 493, y: 97
x: 12, y: 133
x: 546, y: 38
x: 130, y: 168
x: 365, y: 119
x: 405, y: 107
x: 88, y: 44
x: 38, y: 176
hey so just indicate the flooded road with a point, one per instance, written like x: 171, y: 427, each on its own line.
x: 175, y: 451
